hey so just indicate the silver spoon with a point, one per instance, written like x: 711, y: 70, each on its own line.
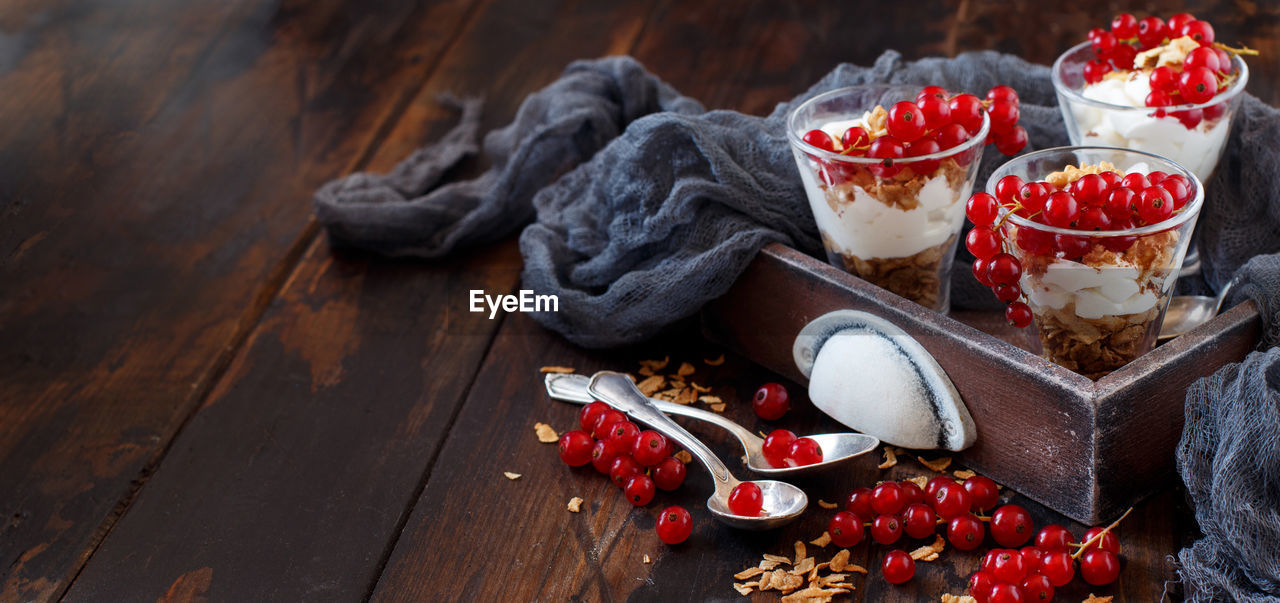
x: 1187, y: 312
x: 836, y: 447
x: 782, y: 501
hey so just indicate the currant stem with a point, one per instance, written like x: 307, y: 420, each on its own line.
x: 1084, y: 546
x: 1245, y: 50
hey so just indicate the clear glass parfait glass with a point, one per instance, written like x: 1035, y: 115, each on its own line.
x: 1097, y: 298
x: 894, y: 223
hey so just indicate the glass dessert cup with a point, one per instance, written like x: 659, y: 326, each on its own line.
x: 1097, y: 298
x: 892, y: 222
x: 1197, y: 144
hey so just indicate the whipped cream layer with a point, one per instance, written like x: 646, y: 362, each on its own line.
x: 1197, y: 148
x: 861, y: 225
x: 1096, y: 292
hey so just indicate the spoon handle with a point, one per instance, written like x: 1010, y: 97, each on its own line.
x: 573, y: 388
x: 616, y: 390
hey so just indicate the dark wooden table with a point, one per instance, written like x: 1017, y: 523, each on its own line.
x: 200, y: 398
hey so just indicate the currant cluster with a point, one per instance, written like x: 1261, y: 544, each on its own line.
x: 783, y: 449
x: 637, y: 461
x: 1201, y: 76
x: 892, y: 509
x: 1011, y: 575
x: 938, y: 120
x: 1106, y: 201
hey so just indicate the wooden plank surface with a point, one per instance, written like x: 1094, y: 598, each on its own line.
x: 292, y: 480
x: 157, y: 161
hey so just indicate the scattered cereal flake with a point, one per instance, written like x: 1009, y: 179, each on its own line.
x: 685, y: 369
x: 656, y: 365
x: 963, y: 473
x: 556, y: 369
x: 919, y: 480
x: 855, y: 568
x: 575, y: 504
x: 804, y: 566
x: 800, y: 550
x: 929, y: 552
x: 651, y: 385
x: 709, y: 399
x: 949, y: 598
x: 812, y: 594
x: 546, y: 434
x: 766, y: 564
x: 675, y: 382
x: 717, y: 361
x: 645, y: 371
x: 687, y: 396
x: 890, y: 458
x: 684, y: 457
x: 699, y: 388
x: 669, y: 395
x: 1096, y: 599
x: 777, y: 559
x: 826, y: 505
x: 938, y: 465
x: 511, y: 476
x: 840, y: 561
x: 750, y: 572
x: 821, y: 541
x: 646, y: 559
x: 718, y: 407
x: 743, y: 589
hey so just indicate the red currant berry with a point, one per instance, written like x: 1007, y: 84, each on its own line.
x: 855, y: 137
x: 1163, y: 79
x: 1007, y: 293
x: 1007, y: 189
x: 1038, y: 588
x: 1054, y: 537
x: 989, y: 560
x: 1071, y: 246
x: 980, y: 267
x: 859, y: 503
x: 1190, y: 118
x: 1104, y: 44
x: 1152, y: 32
x: 1094, y: 33
x: 911, y: 493
x: 1177, y: 21
x: 1198, y: 85
x: 1018, y: 315
x: 602, y: 457
x: 820, y: 139
x: 1011, y: 526
x: 936, y: 111
x: 590, y: 414
x: 1035, y: 242
x: 771, y: 401
x: 1032, y: 556
x: 1058, y: 567
x: 965, y: 532
x: 1124, y: 26
x: 674, y: 525
x: 919, y: 521
x: 1093, y: 218
x: 886, y: 529
x: 966, y: 110
x: 898, y: 567
x: 905, y: 121
x: 936, y: 91
x: 1006, y: 593
x: 777, y: 445
x: 982, y: 242
x: 1089, y: 189
x: 604, y: 424
x: 887, y: 499
x: 1004, y: 93
x: 1108, y: 542
x: 1099, y: 567
x: 1215, y: 112
x: 746, y: 500
x: 649, y: 448
x: 980, y: 585
x: 1155, y: 205
x: 1003, y: 114
x: 669, y: 474
x: 1224, y: 61
x: 1120, y: 203
x: 623, y: 467
x: 575, y: 448
x: 1200, y: 31
x: 920, y: 148
x: 1033, y: 195
x: 1005, y: 269
x: 622, y: 437
x: 1200, y: 57
x: 931, y: 486
x: 951, y: 136
x: 983, y: 493
x: 1009, y: 566
x: 639, y: 489
x: 1009, y: 143
x: 1094, y: 70
x: 804, y: 451
x: 887, y: 148
x: 845, y: 529
x: 1061, y: 210
x: 950, y: 500
x: 1134, y: 181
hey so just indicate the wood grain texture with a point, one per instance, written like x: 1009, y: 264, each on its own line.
x: 157, y: 161
x: 293, y: 479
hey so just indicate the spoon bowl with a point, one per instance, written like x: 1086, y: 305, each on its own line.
x: 1187, y: 312
x: 783, y: 502
x: 836, y: 447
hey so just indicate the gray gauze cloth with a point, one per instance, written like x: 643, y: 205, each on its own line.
x: 646, y: 206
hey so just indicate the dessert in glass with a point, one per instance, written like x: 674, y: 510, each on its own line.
x: 1085, y: 244
x: 1150, y: 85
x: 887, y: 186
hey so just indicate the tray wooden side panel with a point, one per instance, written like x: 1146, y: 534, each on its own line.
x: 1085, y: 449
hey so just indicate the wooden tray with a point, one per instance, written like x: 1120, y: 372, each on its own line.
x: 1088, y: 449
